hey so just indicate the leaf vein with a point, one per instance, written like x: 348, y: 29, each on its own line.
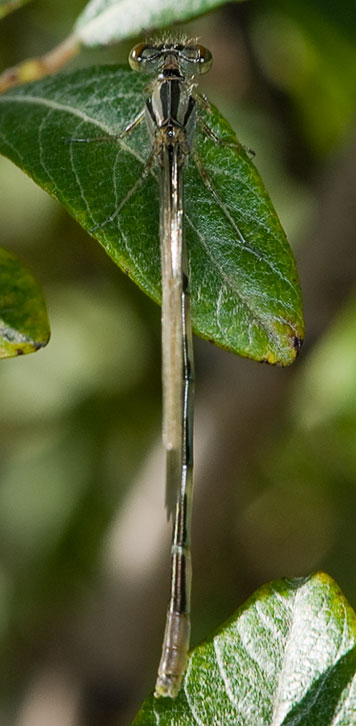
x: 187, y: 695
x: 77, y: 177
x: 223, y: 674
x: 41, y: 148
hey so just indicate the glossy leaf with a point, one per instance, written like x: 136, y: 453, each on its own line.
x: 107, y: 21
x: 286, y: 658
x: 7, y: 6
x: 23, y: 317
x: 245, y: 291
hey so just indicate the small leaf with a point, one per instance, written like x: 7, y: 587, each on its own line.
x: 23, y: 318
x: 7, y: 6
x: 107, y: 21
x: 286, y: 658
x: 245, y: 290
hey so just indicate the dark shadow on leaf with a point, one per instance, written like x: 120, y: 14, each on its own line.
x: 319, y: 704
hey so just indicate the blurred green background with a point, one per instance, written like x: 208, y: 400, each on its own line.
x: 84, y: 545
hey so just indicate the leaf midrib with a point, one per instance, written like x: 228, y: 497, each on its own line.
x: 55, y: 106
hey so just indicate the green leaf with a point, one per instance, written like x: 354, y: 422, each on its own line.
x: 286, y: 658
x: 107, y: 21
x: 7, y: 6
x: 23, y: 317
x: 245, y: 291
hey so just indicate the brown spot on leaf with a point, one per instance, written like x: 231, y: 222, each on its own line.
x: 297, y: 344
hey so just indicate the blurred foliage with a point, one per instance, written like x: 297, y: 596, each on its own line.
x: 308, y: 56
x: 107, y: 21
x: 23, y: 316
x: 308, y: 475
x: 8, y: 6
x: 276, y: 489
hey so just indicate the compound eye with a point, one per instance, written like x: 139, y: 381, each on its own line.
x: 142, y: 55
x: 198, y: 57
x: 135, y: 57
x: 205, y: 60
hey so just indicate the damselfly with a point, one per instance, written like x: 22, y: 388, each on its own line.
x: 170, y: 113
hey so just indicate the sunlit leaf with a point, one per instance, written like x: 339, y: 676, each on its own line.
x: 106, y: 21
x: 23, y: 317
x: 245, y: 291
x: 287, y: 658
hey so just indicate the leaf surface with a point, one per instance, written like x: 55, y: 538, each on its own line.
x: 107, y: 21
x: 23, y: 317
x: 286, y: 658
x: 245, y: 291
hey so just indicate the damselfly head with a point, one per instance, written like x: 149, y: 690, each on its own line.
x: 152, y: 58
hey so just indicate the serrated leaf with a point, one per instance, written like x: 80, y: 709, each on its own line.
x: 286, y: 658
x: 23, y: 317
x: 8, y: 6
x: 108, y: 21
x: 245, y: 291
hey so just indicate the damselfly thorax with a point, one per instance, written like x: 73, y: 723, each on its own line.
x: 171, y: 109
